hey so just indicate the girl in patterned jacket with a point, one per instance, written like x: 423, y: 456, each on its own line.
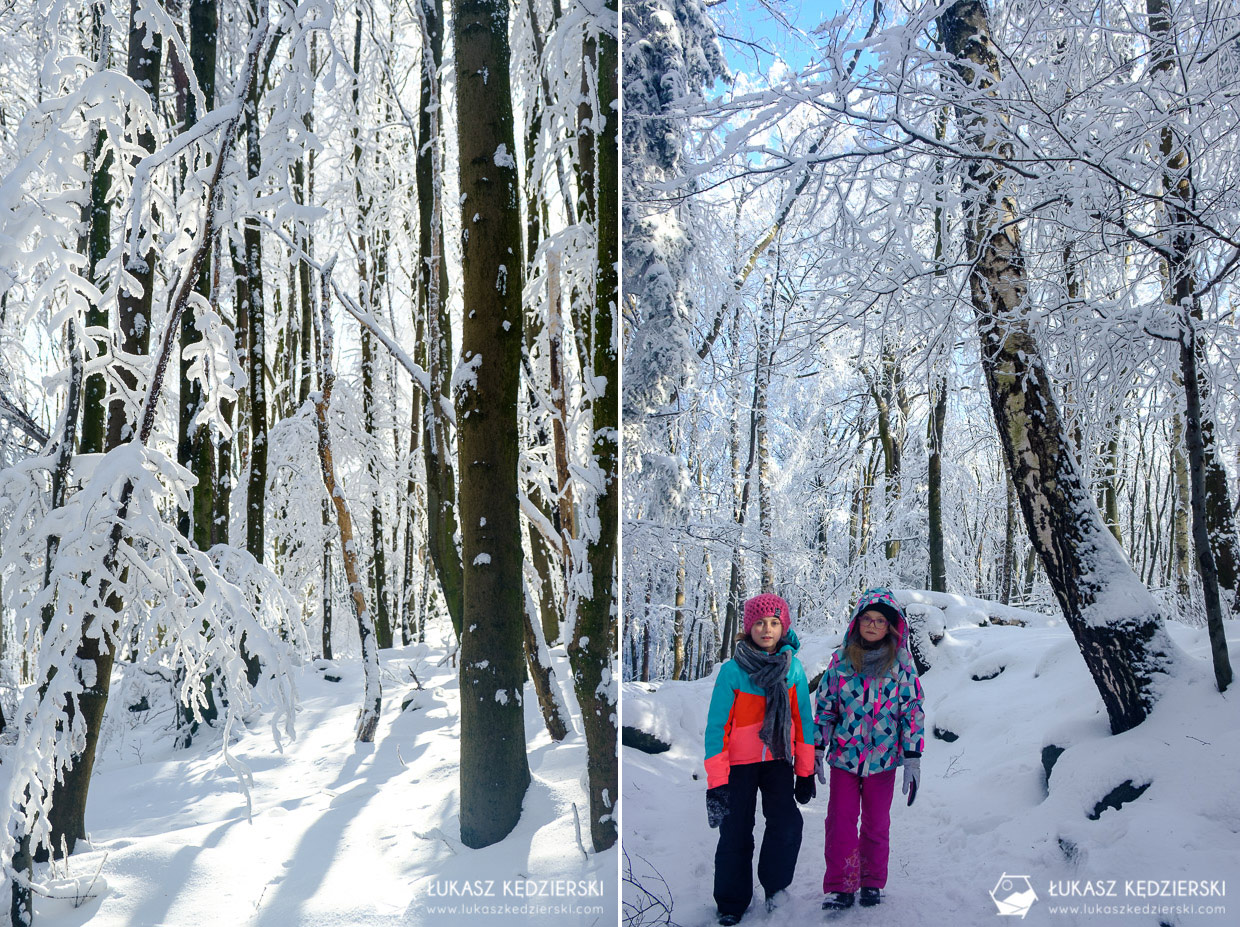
x: 868, y: 721
x: 758, y: 736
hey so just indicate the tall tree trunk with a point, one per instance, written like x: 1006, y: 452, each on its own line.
x: 326, y: 631
x: 99, y: 242
x: 736, y: 584
x: 415, y: 550
x: 1109, y: 501
x: 1114, y: 619
x: 886, y: 388
x: 1179, y: 199
x: 303, y: 195
x: 592, y: 646
x: 233, y: 410
x: 762, y: 385
x: 936, y: 427
x: 94, y: 658
x: 194, y: 447
x: 565, y: 509
x: 678, y: 619
x: 1181, y: 549
x: 256, y: 484
x: 371, y: 288
x: 1009, y: 546
x: 441, y: 492
x: 372, y: 698
x: 68, y: 815
x: 494, y: 769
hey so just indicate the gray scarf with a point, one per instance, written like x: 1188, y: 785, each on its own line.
x: 769, y: 672
x: 873, y: 661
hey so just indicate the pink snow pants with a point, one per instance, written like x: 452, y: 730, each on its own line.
x: 852, y: 863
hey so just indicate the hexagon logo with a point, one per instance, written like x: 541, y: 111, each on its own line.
x: 1013, y: 894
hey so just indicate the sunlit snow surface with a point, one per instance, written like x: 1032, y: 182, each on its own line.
x: 342, y: 834
x: 982, y: 810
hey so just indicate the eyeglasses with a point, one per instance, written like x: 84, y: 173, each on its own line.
x: 875, y: 622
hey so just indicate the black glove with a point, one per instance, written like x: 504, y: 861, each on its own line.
x: 716, y: 805
x: 805, y: 789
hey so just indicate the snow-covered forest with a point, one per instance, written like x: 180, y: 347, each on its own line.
x: 937, y: 297
x: 308, y: 421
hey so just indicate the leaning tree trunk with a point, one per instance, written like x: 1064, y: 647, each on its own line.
x: 494, y: 770
x: 1115, y: 620
x: 372, y: 698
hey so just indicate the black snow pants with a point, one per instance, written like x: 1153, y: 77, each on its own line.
x: 780, y: 843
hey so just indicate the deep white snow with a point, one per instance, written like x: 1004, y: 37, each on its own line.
x: 341, y: 833
x: 983, y: 811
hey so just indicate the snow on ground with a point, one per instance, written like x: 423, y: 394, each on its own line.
x: 984, y: 810
x: 341, y: 833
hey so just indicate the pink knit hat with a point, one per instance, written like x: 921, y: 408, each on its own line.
x: 761, y: 606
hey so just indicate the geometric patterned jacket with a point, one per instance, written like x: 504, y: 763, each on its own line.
x: 868, y: 723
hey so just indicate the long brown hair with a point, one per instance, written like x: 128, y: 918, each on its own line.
x: 855, y: 649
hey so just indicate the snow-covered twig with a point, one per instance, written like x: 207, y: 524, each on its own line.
x: 577, y: 826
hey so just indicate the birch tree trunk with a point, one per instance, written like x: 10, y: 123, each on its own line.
x: 494, y: 770
x: 1114, y: 619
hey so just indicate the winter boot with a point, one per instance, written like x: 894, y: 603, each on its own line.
x: 838, y: 901
x: 727, y: 920
x: 869, y: 896
x: 776, y: 899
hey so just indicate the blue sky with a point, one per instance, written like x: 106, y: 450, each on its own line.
x: 748, y: 21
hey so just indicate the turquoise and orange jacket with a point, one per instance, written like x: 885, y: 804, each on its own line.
x: 734, y: 720
x: 870, y: 721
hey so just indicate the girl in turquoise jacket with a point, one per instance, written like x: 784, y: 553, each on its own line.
x: 759, y: 737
